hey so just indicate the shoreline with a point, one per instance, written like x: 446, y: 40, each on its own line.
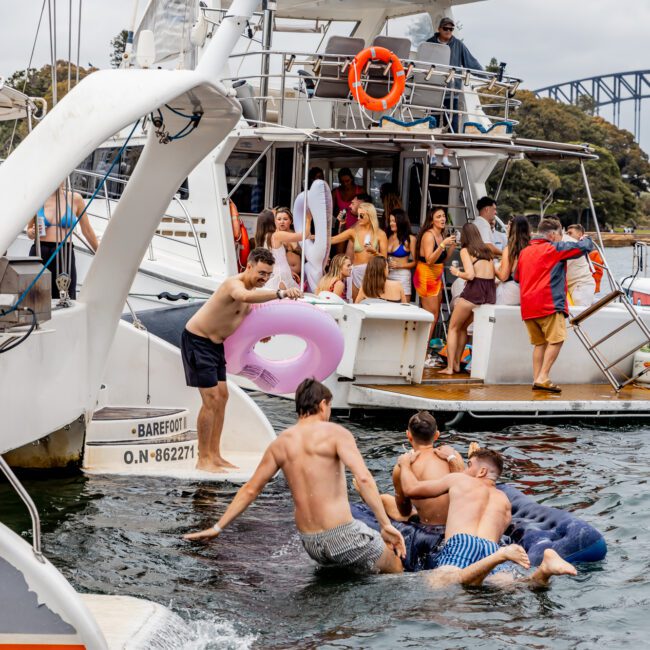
x: 620, y: 240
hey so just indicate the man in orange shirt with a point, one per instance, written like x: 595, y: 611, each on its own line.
x: 578, y: 232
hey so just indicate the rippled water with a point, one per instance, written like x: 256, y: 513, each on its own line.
x: 255, y: 587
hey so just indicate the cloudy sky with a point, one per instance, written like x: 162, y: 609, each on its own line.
x: 543, y: 41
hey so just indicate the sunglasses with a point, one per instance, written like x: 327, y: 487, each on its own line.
x: 447, y: 29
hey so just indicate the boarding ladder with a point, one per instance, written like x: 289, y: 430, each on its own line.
x: 605, y: 365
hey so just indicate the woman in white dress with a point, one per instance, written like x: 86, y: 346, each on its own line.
x: 268, y: 236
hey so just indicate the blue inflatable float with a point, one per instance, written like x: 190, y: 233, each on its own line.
x: 535, y: 526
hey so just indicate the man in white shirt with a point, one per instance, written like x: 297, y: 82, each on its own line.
x: 487, y: 214
x: 580, y: 281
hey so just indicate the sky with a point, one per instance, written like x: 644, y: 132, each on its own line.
x: 543, y: 41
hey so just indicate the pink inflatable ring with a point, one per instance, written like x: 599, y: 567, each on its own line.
x: 317, y: 328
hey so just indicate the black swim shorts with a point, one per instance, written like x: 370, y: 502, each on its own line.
x: 204, y: 361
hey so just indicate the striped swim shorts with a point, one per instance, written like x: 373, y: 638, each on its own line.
x: 354, y: 546
x: 462, y: 550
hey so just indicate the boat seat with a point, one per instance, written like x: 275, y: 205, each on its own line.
x: 378, y: 83
x: 331, y: 82
x: 429, y: 92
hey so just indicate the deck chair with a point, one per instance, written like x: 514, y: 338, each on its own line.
x: 429, y: 94
x: 331, y: 82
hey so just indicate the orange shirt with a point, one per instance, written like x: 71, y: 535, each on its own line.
x: 597, y: 274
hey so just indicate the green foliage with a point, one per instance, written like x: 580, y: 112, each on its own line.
x: 118, y: 45
x: 616, y: 179
x: 36, y: 83
x: 492, y: 66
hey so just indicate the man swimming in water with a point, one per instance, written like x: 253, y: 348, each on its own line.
x: 431, y: 463
x: 479, y: 514
x: 313, y: 455
x: 203, y: 354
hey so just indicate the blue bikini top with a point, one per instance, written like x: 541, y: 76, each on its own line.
x: 67, y: 219
x: 399, y: 252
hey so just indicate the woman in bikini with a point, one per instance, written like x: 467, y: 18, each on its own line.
x: 377, y: 285
x: 284, y: 223
x: 336, y: 276
x: 401, y: 249
x: 369, y: 242
x: 478, y: 271
x: 518, y: 239
x: 432, y: 248
x: 59, y: 213
x: 268, y: 236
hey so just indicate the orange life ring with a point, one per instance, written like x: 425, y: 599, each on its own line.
x: 244, y: 246
x: 242, y: 242
x: 376, y: 53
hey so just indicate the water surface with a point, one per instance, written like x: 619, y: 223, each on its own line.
x: 255, y: 588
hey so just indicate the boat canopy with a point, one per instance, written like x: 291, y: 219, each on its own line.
x: 14, y: 105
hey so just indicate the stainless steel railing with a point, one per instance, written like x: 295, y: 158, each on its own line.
x: 31, y: 507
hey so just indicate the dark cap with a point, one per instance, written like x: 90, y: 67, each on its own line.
x: 446, y: 21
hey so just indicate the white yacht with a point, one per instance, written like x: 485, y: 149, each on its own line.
x: 299, y: 112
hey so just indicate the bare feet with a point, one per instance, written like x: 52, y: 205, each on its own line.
x: 517, y: 554
x: 552, y: 565
x: 218, y: 465
x: 446, y: 371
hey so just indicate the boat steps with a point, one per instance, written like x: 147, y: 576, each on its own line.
x: 130, y: 423
x: 150, y: 441
x: 432, y: 377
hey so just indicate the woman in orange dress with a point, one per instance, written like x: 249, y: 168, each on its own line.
x: 432, y: 248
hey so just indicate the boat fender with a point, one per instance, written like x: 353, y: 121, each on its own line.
x: 322, y: 354
x: 319, y: 204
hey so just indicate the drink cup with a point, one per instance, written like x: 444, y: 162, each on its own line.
x: 455, y: 264
x: 366, y: 240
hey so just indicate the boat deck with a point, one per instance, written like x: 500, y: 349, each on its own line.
x: 481, y: 399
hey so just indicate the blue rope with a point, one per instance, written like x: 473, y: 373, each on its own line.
x: 69, y: 233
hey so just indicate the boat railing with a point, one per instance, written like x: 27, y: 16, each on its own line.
x: 453, y: 95
x: 31, y: 507
x: 640, y: 259
x: 110, y: 201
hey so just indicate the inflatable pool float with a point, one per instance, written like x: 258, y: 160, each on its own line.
x: 319, y: 203
x: 535, y: 526
x: 321, y: 356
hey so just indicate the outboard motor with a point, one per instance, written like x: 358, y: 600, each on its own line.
x: 16, y: 275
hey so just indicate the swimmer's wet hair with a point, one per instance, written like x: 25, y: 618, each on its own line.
x: 309, y: 395
x: 423, y: 426
x: 493, y: 458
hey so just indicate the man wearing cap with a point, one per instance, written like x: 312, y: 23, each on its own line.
x: 460, y: 57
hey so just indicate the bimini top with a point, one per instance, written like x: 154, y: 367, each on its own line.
x: 14, y: 105
x: 352, y: 10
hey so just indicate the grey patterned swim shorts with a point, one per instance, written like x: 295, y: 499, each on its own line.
x: 352, y: 546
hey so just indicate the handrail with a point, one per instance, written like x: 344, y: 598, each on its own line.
x: 196, y: 238
x: 31, y: 507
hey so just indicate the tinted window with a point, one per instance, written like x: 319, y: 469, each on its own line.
x: 250, y: 195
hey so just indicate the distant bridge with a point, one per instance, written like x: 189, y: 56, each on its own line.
x: 606, y: 90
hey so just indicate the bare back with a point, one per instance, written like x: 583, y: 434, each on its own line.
x: 308, y: 457
x: 428, y: 467
x: 221, y: 315
x: 477, y: 508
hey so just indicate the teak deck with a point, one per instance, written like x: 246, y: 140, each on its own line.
x: 481, y: 398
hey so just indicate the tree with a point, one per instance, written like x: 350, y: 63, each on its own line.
x: 493, y: 66
x: 119, y: 46
x: 617, y: 178
x: 35, y: 83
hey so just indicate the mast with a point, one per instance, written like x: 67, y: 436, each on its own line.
x: 269, y: 7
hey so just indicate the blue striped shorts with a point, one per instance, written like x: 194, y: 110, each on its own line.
x: 462, y: 550
x: 353, y: 546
